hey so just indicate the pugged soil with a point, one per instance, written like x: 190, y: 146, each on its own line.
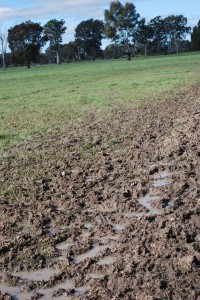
x: 108, y: 209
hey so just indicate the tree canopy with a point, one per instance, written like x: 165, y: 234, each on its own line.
x: 120, y: 24
x: 195, y: 37
x: 25, y: 41
x: 54, y: 30
x: 176, y: 30
x: 88, y: 36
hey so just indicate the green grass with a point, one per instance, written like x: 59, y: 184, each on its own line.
x: 41, y: 98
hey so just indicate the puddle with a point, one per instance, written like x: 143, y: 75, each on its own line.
x: 163, y: 174
x: 63, y: 245
x: 109, y: 237
x: 88, y: 225
x: 80, y: 290
x: 88, y: 210
x: 96, y: 275
x: 15, y: 292
x: 134, y: 214
x: 160, y: 183
x: 89, y: 254
x: 48, y: 293
x: 38, y: 275
x: 146, y: 201
x: 108, y: 260
x: 118, y: 227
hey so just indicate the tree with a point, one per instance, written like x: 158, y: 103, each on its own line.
x: 88, y: 37
x: 176, y: 29
x: 3, y: 45
x: 159, y: 36
x: 25, y: 41
x: 143, y: 34
x: 69, y: 52
x: 54, y: 30
x: 113, y: 51
x: 120, y: 24
x: 195, y: 37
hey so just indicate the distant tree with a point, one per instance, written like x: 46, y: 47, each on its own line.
x: 69, y: 52
x: 195, y: 37
x: 113, y: 51
x: 176, y: 30
x: 120, y: 24
x: 143, y: 34
x: 88, y: 37
x: 25, y: 41
x: 159, y: 34
x: 54, y: 30
x: 3, y: 46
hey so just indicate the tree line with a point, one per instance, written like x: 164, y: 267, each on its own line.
x: 128, y: 32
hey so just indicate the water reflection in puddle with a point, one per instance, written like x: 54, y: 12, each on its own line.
x: 80, y: 290
x: 89, y: 254
x: 160, y: 183
x: 96, y: 275
x: 15, y: 292
x: 118, y: 227
x: 109, y: 237
x: 63, y: 245
x: 88, y: 225
x: 134, y: 214
x: 108, y: 260
x: 38, y: 275
x: 163, y: 174
x: 48, y: 293
x: 146, y: 201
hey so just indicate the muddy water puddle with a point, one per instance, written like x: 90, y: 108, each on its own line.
x: 38, y: 275
x: 88, y: 225
x: 108, y: 260
x: 15, y: 291
x: 146, y: 202
x: 96, y: 275
x: 160, y: 183
x: 118, y: 226
x: 109, y: 237
x: 48, y: 293
x: 94, y: 252
x: 64, y: 245
x: 159, y: 180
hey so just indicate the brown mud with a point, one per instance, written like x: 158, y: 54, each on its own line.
x: 109, y: 210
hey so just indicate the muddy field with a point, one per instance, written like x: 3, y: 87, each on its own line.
x: 109, y: 210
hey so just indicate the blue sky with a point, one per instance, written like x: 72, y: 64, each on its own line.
x: 13, y: 12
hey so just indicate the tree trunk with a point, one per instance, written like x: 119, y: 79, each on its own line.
x: 28, y: 64
x: 57, y: 58
x: 145, y: 49
x: 128, y: 55
x: 3, y: 58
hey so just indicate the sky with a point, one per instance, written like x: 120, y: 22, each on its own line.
x: 13, y: 12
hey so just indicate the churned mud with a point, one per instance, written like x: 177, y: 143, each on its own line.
x: 106, y: 210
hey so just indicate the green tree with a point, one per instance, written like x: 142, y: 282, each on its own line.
x: 159, y: 35
x: 54, y: 30
x: 143, y: 34
x: 69, y: 52
x: 3, y: 47
x: 25, y: 41
x: 195, y: 37
x: 120, y: 23
x: 88, y: 37
x: 176, y: 30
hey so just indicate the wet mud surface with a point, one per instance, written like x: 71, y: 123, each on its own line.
x: 108, y: 210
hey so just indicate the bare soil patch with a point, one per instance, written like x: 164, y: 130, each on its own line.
x: 109, y: 210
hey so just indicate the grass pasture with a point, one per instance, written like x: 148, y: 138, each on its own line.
x: 42, y: 98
